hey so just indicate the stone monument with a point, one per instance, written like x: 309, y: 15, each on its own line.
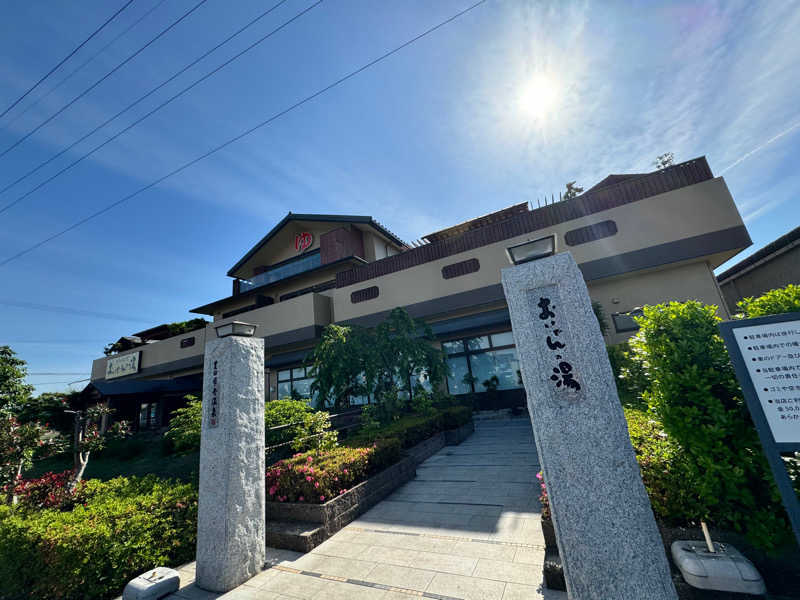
x: 231, y: 546
x: 607, y: 536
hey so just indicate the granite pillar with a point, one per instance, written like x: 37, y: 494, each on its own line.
x: 231, y: 519
x: 607, y: 537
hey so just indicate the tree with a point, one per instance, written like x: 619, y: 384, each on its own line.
x: 573, y: 191
x: 663, y: 161
x: 87, y: 437
x: 385, y: 363
x: 14, y: 392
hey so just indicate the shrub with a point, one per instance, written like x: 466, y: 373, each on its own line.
x: 694, y: 393
x: 125, y: 527
x: 51, y: 490
x: 184, y: 427
x: 285, y: 412
x: 544, y: 500
x: 773, y: 302
x: 412, y: 429
x: 317, y: 477
x: 629, y: 374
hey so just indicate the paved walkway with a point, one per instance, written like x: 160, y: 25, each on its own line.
x: 467, y: 527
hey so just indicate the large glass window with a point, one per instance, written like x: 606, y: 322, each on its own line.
x: 295, y: 380
x: 475, y: 360
x: 148, y: 415
x: 309, y: 261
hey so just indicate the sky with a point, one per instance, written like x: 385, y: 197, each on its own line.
x: 504, y: 104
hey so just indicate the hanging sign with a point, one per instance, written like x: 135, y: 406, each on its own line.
x: 119, y: 366
x: 765, y: 353
x: 303, y: 241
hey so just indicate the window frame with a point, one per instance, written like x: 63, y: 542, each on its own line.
x: 291, y: 379
x: 466, y: 352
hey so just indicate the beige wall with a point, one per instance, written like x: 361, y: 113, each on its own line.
x: 692, y: 281
x: 771, y: 273
x: 669, y: 217
x: 158, y: 352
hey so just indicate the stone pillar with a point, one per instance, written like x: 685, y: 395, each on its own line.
x: 231, y: 519
x: 607, y: 537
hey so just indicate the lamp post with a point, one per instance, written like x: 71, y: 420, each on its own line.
x: 231, y: 546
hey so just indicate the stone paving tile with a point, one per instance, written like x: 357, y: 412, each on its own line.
x: 333, y: 565
x: 529, y: 556
x: 333, y: 547
x: 391, y: 556
x: 468, y: 588
x: 480, y: 550
x: 508, y: 572
x: 516, y: 591
x: 402, y: 577
x: 295, y: 586
x: 444, y: 563
x: 335, y: 590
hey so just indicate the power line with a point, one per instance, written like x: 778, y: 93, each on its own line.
x: 71, y: 311
x: 65, y: 59
x: 99, y: 81
x: 153, y: 111
x: 33, y: 104
x: 245, y: 133
x: 65, y: 374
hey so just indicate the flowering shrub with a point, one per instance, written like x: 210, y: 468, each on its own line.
x: 51, y: 490
x: 543, y: 499
x: 126, y: 526
x: 316, y: 477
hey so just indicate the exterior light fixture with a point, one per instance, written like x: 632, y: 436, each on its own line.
x: 532, y: 250
x: 235, y: 328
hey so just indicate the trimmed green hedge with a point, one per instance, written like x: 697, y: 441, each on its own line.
x: 317, y: 477
x: 413, y: 429
x: 126, y: 526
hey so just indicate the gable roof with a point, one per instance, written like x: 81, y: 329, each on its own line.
x: 366, y: 220
x: 773, y: 247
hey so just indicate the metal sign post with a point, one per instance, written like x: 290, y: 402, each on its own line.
x: 765, y: 352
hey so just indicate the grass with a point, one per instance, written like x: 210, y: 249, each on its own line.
x: 139, y: 455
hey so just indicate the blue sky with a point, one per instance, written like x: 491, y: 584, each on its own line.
x: 504, y: 104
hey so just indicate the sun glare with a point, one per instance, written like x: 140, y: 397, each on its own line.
x: 539, y: 97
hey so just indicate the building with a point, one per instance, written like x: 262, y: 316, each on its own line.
x: 638, y: 239
x: 776, y: 265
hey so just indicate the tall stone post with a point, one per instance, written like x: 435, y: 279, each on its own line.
x: 231, y: 519
x: 607, y: 537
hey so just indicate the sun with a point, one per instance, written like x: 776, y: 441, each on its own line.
x: 539, y: 97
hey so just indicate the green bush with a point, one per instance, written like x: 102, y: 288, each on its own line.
x: 629, y: 374
x: 285, y: 412
x: 317, y: 477
x: 125, y: 527
x: 774, y: 302
x: 413, y: 429
x: 184, y: 427
x: 694, y: 393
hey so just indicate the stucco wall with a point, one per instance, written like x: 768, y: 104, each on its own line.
x: 773, y: 273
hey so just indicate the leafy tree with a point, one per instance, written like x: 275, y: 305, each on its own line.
x: 663, y: 161
x: 573, y: 191
x: 14, y: 392
x: 773, y: 302
x: 386, y: 363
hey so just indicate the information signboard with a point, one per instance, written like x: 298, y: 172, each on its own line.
x: 765, y: 352
x: 119, y: 366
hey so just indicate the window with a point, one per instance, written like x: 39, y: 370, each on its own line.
x: 624, y: 322
x: 477, y: 359
x: 590, y: 233
x: 295, y: 380
x: 284, y: 270
x: 148, y: 415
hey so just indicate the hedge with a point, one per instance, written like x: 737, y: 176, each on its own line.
x: 126, y: 526
x: 316, y: 477
x: 413, y: 429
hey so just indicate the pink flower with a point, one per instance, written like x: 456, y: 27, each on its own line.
x: 310, y: 469
x: 322, y: 498
x: 309, y: 459
x: 345, y: 471
x: 300, y: 499
x: 316, y: 485
x: 336, y: 479
x: 308, y: 477
x: 272, y: 490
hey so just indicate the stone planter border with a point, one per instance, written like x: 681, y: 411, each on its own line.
x: 301, y: 527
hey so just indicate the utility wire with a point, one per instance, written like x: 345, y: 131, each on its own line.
x: 36, y: 102
x: 80, y: 373
x: 245, y: 133
x: 102, y: 79
x: 155, y: 110
x: 66, y: 58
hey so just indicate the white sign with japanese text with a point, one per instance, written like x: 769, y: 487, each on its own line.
x: 772, y: 356
x: 127, y: 364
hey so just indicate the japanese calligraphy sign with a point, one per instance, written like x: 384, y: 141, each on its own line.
x: 303, y: 241
x: 555, y: 341
x: 772, y: 356
x: 119, y: 366
x: 216, y: 389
